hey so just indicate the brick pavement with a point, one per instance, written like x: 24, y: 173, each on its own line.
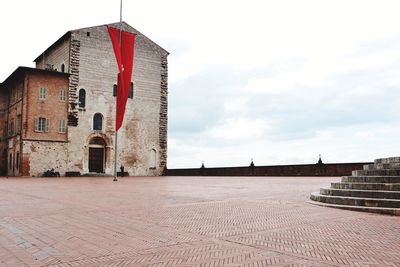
x: 186, y: 221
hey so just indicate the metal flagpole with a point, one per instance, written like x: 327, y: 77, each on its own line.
x: 116, y: 131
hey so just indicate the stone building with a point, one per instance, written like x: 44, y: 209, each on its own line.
x: 61, y: 114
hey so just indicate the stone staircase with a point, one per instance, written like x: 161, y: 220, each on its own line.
x: 376, y: 188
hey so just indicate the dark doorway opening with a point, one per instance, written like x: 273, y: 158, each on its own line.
x: 96, y: 155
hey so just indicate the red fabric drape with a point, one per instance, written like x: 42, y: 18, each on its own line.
x: 124, y: 54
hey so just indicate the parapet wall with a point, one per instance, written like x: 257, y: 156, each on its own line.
x: 330, y: 169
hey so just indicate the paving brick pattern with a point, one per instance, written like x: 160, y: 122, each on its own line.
x: 186, y: 221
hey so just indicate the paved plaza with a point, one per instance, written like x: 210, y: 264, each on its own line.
x: 186, y: 221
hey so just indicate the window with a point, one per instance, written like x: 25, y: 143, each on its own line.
x: 42, y: 93
x: 13, y: 96
x: 97, y: 121
x: 41, y: 124
x: 115, y: 90
x: 82, y: 98
x: 62, y: 68
x: 10, y: 162
x: 62, y: 95
x: 153, y: 159
x: 5, y: 133
x: 17, y: 161
x: 61, y: 126
x: 11, y: 127
x: 19, y: 123
x: 130, y: 91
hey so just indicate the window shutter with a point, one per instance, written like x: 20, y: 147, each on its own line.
x: 36, y: 124
x: 46, y: 129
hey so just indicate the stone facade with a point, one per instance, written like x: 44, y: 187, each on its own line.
x: 87, y: 56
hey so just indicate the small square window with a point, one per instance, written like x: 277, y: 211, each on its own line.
x: 42, y: 93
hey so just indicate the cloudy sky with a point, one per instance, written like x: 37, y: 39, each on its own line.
x: 280, y: 81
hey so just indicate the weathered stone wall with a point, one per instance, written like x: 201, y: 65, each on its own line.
x: 3, y: 111
x: 75, y: 46
x: 12, y: 108
x: 39, y: 156
x: 58, y: 55
x: 140, y: 133
x: 3, y: 134
x: 163, y: 113
x: 88, y: 56
x: 20, y: 105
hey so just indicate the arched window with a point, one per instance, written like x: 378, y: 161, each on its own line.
x: 97, y: 121
x: 62, y: 68
x: 82, y: 98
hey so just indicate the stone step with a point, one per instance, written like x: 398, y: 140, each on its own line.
x: 382, y: 172
x: 371, y: 179
x: 381, y: 166
x: 391, y: 211
x: 356, y: 201
x: 368, y: 167
x: 388, y: 160
x: 360, y: 193
x: 367, y: 186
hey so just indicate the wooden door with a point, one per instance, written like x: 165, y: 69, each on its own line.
x: 96, y: 159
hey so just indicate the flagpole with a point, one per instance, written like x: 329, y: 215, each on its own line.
x: 116, y: 131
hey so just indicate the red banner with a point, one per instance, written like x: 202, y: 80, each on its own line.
x: 123, y: 45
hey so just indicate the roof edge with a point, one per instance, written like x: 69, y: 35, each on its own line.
x: 59, y: 40
x: 128, y: 25
x: 22, y: 69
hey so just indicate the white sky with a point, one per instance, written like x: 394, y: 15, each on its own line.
x: 278, y: 81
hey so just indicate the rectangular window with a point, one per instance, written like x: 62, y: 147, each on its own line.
x: 130, y: 91
x: 41, y: 125
x: 19, y: 123
x: 5, y: 129
x: 114, y: 90
x: 11, y: 127
x: 13, y: 96
x: 42, y: 93
x: 61, y: 126
x: 62, y: 95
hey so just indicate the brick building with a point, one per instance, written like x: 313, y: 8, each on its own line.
x: 61, y: 114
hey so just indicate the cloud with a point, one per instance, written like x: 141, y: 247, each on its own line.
x: 277, y: 81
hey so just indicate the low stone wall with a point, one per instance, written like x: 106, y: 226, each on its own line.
x: 330, y: 169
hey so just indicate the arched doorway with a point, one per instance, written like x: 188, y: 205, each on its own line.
x: 96, y: 155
